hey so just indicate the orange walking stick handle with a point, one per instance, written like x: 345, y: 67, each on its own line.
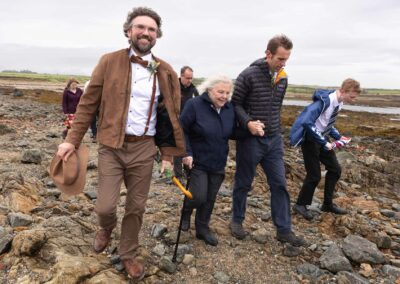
x: 186, y: 192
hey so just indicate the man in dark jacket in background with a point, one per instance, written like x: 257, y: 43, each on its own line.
x: 188, y: 91
x: 311, y: 130
x: 257, y: 97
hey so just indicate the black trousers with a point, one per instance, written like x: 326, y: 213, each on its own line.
x: 204, y: 187
x: 314, y: 154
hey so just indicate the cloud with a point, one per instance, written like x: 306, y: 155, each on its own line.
x: 332, y: 40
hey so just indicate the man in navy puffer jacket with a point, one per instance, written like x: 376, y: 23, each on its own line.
x: 258, y: 96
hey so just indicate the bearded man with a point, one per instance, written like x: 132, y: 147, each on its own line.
x: 138, y: 98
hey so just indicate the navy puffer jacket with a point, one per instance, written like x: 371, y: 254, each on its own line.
x: 256, y: 98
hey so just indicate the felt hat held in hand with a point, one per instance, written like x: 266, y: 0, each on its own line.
x: 70, y: 176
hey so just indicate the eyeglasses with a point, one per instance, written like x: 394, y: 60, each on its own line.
x: 142, y: 28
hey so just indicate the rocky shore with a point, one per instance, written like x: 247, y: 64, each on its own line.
x: 46, y: 237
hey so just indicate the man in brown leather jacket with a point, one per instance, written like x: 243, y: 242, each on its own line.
x: 138, y: 98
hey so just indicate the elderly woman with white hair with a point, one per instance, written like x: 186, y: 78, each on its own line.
x: 208, y: 122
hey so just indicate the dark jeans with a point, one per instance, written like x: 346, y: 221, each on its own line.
x: 178, y: 167
x: 204, y: 187
x: 268, y: 152
x: 313, y: 154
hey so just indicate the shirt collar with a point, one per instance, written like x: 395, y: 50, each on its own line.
x: 334, y: 99
x: 148, y: 57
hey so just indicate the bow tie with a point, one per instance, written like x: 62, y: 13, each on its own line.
x: 139, y: 60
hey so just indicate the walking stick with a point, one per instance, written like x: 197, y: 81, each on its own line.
x: 187, y: 194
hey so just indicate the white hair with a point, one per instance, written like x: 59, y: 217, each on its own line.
x: 210, y: 83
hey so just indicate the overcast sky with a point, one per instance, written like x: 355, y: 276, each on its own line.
x: 332, y: 40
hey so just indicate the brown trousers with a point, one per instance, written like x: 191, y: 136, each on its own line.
x: 131, y: 164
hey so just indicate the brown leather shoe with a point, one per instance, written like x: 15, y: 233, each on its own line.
x: 101, y: 240
x: 134, y: 268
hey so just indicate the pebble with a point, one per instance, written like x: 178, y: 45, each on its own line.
x: 188, y: 259
x: 167, y: 265
x: 221, y: 277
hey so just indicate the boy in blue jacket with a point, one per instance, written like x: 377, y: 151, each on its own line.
x: 311, y: 131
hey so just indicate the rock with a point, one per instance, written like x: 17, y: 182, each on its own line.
x: 387, y: 213
x: 4, y: 129
x: 115, y: 259
x: 19, y: 219
x: 13, y: 180
x: 31, y: 156
x: 55, y: 192
x: 22, y: 203
x: 92, y: 165
x: 221, y: 277
x: 28, y: 242
x: 260, y: 235
x: 366, y: 270
x: 158, y: 230
x: 375, y: 161
x: 361, y: 250
x: 363, y: 204
x: 159, y: 250
x: 107, y: 276
x: 52, y: 134
x: 170, y: 238
x: 396, y: 207
x: 22, y: 143
x: 188, y: 259
x: 391, y: 271
x: 327, y: 243
x: 395, y: 262
x: 193, y: 271
x: 224, y: 192
x: 382, y: 240
x: 313, y: 247
x: 152, y: 270
x: 74, y: 269
x: 5, y: 240
x: 4, y: 210
x: 345, y: 277
x: 183, y: 249
x: 167, y: 265
x: 91, y: 194
x: 266, y: 216
x: 334, y: 260
x: 291, y: 251
x: 18, y: 93
x: 392, y: 231
x: 309, y: 269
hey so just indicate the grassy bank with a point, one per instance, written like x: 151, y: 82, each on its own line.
x: 292, y: 89
x: 53, y: 78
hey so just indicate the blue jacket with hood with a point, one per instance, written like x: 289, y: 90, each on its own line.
x: 305, y: 122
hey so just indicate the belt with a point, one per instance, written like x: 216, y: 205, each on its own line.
x: 134, y: 138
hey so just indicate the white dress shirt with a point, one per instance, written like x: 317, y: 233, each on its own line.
x: 323, y: 119
x: 140, y: 97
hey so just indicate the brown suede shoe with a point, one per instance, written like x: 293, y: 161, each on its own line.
x: 101, y: 240
x: 134, y: 268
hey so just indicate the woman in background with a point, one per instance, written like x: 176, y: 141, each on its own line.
x: 208, y: 122
x: 71, y: 96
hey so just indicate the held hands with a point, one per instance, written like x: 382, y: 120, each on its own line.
x: 256, y: 127
x: 188, y: 161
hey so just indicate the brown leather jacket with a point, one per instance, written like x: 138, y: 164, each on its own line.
x: 109, y: 91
